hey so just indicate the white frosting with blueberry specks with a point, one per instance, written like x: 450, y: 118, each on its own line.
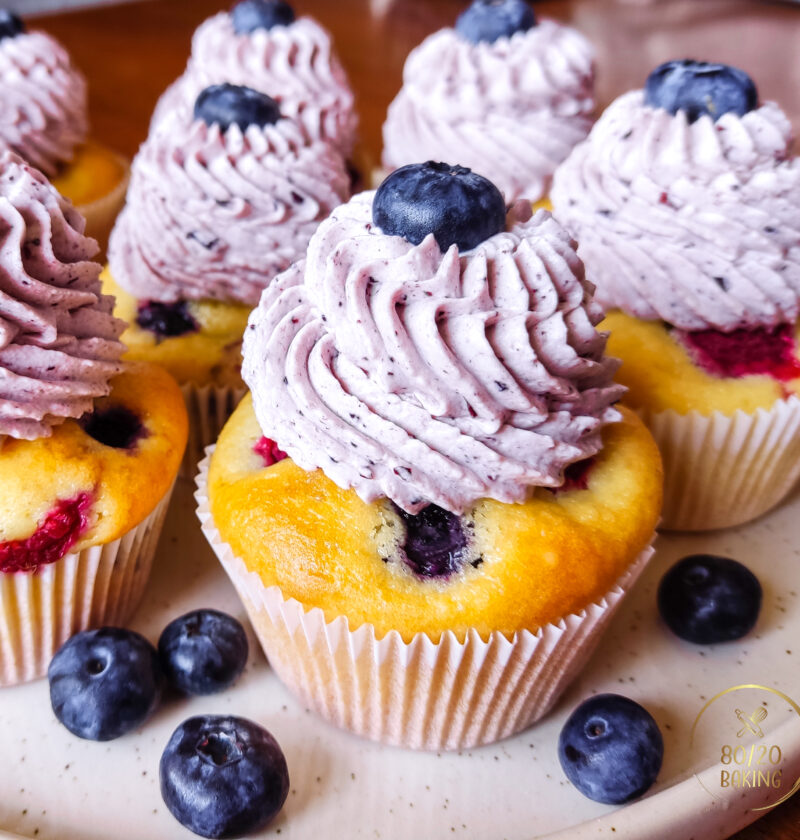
x: 432, y: 377
x: 694, y: 224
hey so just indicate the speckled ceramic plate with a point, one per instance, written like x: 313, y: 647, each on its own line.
x: 57, y: 786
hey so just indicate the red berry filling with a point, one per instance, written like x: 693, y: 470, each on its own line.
x: 51, y: 540
x: 762, y: 351
x: 576, y: 476
x: 269, y: 451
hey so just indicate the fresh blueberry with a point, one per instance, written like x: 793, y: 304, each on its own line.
x: 699, y: 88
x: 166, y: 320
x: 104, y: 683
x: 250, y: 15
x: 10, y: 24
x: 435, y: 544
x: 223, y: 776
x: 611, y: 749
x: 203, y: 651
x: 707, y: 599
x: 115, y: 426
x: 488, y: 20
x: 228, y: 104
x: 456, y: 205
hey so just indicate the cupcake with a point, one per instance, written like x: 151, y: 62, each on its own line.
x: 260, y: 44
x: 430, y: 505
x: 685, y: 200
x: 221, y: 201
x: 509, y: 94
x: 44, y: 98
x: 89, y: 447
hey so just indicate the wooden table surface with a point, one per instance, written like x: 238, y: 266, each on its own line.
x: 131, y: 52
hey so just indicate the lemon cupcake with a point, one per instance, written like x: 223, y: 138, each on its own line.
x: 44, y: 99
x: 260, y: 44
x: 512, y: 94
x: 89, y: 447
x: 462, y: 506
x: 221, y: 201
x: 685, y: 200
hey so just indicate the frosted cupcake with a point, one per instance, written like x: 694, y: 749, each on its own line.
x: 43, y: 98
x: 686, y: 203
x: 508, y: 95
x: 260, y: 44
x: 221, y: 201
x: 462, y: 506
x: 89, y: 447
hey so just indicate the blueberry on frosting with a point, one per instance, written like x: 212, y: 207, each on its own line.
x: 456, y: 205
x: 488, y: 20
x: 228, y: 104
x: 250, y: 15
x: 700, y: 88
x: 10, y: 24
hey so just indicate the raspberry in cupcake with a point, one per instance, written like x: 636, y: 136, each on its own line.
x: 510, y: 95
x: 262, y: 45
x: 423, y: 384
x: 44, y: 98
x: 684, y: 200
x: 221, y: 201
x: 89, y: 446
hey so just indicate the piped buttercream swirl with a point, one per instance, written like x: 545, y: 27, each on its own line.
x: 58, y: 339
x: 294, y: 64
x: 43, y: 101
x: 217, y: 215
x: 697, y: 225
x: 511, y: 110
x: 432, y: 377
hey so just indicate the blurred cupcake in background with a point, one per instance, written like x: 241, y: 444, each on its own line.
x: 89, y: 446
x: 262, y: 45
x: 506, y: 94
x: 221, y: 200
x: 685, y: 200
x: 44, y: 101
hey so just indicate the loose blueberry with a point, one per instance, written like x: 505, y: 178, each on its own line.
x: 435, y: 543
x: 223, y: 776
x: 166, y: 320
x: 250, y: 15
x: 456, y: 205
x: 104, y: 683
x: 611, y: 749
x: 203, y: 651
x: 10, y: 24
x: 699, y: 88
x: 228, y: 104
x: 707, y: 599
x: 115, y: 426
x: 488, y: 20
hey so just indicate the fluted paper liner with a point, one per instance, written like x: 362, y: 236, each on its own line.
x: 720, y: 470
x: 101, y: 585
x: 423, y: 694
x: 209, y: 407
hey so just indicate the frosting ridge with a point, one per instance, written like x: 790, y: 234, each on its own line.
x: 694, y: 224
x: 513, y: 109
x: 58, y: 338
x: 432, y: 377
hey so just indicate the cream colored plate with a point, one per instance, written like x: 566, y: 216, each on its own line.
x: 57, y: 786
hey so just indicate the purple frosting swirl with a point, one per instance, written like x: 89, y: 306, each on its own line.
x: 58, y: 338
x: 432, y: 377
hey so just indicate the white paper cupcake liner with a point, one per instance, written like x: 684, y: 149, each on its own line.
x: 101, y: 585
x: 720, y: 470
x: 209, y: 407
x: 422, y: 695
x: 100, y: 215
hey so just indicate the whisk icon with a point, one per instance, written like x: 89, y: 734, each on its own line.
x: 751, y: 723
